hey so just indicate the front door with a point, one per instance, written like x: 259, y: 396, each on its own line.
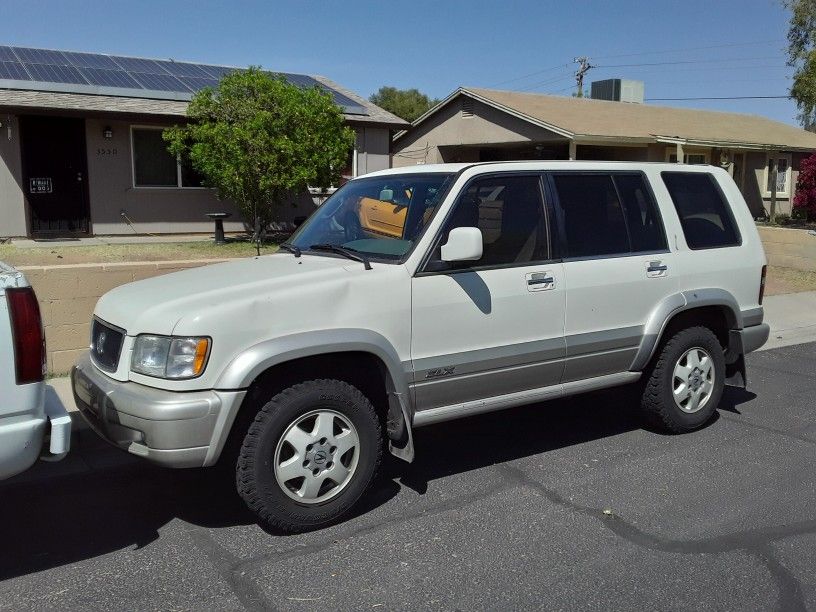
x: 55, y: 175
x: 494, y: 326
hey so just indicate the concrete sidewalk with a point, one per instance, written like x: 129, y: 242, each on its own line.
x: 792, y: 318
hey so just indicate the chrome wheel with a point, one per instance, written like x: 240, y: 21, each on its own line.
x: 693, y: 380
x: 316, y: 456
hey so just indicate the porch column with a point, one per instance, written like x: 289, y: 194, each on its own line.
x: 572, y: 150
x: 680, y: 156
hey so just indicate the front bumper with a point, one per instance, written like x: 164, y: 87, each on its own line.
x: 175, y: 429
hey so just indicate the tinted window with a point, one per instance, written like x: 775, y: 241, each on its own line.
x: 153, y: 164
x: 703, y: 213
x: 593, y: 217
x: 510, y: 213
x: 642, y: 218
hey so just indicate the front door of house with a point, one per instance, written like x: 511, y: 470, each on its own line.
x: 55, y: 174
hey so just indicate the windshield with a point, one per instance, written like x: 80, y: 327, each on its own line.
x: 380, y: 216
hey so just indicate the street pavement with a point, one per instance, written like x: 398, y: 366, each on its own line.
x: 568, y: 505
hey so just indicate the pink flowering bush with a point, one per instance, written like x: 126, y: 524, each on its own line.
x: 805, y: 200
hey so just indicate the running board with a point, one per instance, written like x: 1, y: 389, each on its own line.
x: 519, y: 398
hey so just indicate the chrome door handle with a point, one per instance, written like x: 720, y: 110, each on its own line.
x: 540, y: 281
x: 657, y: 269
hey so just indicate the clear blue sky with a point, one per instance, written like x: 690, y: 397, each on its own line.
x: 438, y: 45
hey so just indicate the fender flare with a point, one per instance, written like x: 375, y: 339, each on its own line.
x: 676, y: 303
x: 251, y: 363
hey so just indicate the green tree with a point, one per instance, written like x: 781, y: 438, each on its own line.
x: 260, y: 141
x: 407, y: 104
x: 802, y: 57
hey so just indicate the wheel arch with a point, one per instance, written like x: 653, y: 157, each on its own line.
x: 714, y: 306
x: 312, y: 353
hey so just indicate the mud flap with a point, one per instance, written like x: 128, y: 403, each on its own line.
x: 735, y: 373
x: 400, y: 437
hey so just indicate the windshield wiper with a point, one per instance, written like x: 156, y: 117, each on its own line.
x: 286, y: 246
x: 344, y: 251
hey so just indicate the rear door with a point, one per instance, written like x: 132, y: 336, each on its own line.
x: 495, y: 326
x: 617, y: 267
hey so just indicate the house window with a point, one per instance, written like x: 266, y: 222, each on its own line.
x: 783, y: 175
x: 690, y: 158
x: 155, y: 166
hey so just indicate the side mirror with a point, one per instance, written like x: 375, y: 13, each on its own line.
x: 464, y: 244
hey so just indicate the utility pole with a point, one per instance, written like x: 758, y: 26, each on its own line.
x: 583, y: 67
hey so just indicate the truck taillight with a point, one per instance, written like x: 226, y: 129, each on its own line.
x: 762, y: 284
x: 27, y: 334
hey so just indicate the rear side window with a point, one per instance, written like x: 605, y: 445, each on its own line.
x: 608, y: 214
x: 704, y: 214
x: 593, y: 217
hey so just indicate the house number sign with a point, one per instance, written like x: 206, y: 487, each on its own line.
x: 40, y: 185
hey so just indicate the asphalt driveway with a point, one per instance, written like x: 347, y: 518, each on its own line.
x: 567, y: 505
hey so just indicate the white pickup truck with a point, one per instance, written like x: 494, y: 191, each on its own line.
x: 28, y: 427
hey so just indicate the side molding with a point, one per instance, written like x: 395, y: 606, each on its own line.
x: 678, y: 302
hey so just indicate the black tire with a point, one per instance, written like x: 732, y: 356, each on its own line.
x: 657, y: 403
x: 255, y: 472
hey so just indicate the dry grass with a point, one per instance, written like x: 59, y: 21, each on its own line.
x: 113, y: 253
x: 789, y: 280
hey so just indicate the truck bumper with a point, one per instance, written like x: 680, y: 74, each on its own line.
x: 43, y: 433
x: 165, y: 427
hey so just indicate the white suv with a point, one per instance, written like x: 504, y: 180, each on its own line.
x: 415, y: 296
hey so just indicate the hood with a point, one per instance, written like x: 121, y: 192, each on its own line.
x: 156, y: 305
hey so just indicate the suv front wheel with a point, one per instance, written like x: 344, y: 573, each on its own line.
x: 686, y: 381
x: 310, y: 454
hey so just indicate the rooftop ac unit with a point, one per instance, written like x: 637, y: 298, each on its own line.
x: 618, y: 90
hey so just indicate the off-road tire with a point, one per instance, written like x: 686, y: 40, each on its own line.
x: 255, y: 476
x: 657, y: 404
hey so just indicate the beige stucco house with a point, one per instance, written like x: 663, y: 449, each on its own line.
x: 488, y: 125
x: 81, y: 151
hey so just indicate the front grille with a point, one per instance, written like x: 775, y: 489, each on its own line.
x: 106, y: 345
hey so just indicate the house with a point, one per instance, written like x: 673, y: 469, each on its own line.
x: 81, y: 148
x: 488, y: 125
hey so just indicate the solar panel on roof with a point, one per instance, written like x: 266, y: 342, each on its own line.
x: 184, y: 70
x: 74, y: 72
x: 41, y: 56
x: 7, y: 55
x: 160, y: 82
x: 90, y: 60
x: 137, y: 64
x: 14, y: 71
x: 196, y: 83
x: 217, y: 71
x: 54, y: 74
x: 110, y: 78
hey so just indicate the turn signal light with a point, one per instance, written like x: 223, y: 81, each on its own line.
x: 762, y: 284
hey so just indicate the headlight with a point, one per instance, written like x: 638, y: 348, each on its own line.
x: 168, y: 357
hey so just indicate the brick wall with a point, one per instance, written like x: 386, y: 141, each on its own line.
x: 68, y: 294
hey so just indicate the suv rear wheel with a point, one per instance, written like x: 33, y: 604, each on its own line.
x: 686, y: 381
x: 310, y: 454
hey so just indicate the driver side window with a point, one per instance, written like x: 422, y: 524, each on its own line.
x: 509, y: 211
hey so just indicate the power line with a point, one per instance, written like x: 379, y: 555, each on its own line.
x: 723, y: 46
x: 527, y: 76
x: 720, y: 98
x: 675, y: 63
x: 642, y: 53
